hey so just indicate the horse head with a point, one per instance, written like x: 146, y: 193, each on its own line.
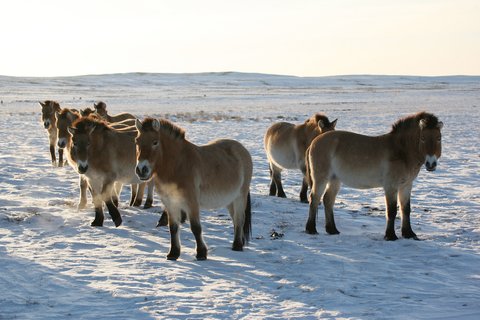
x: 148, y: 143
x: 430, y: 140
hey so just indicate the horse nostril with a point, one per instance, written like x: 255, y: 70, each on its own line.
x: 137, y: 171
x: 82, y: 169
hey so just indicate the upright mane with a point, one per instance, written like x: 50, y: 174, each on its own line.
x: 54, y: 104
x: 430, y: 122
x: 65, y: 111
x: 84, y: 124
x: 313, y: 120
x: 166, y: 127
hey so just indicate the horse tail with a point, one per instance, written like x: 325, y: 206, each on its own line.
x: 308, y: 170
x: 247, y: 226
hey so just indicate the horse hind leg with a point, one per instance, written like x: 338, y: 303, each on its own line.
x: 328, y: 202
x: 149, y: 201
x: 303, y: 191
x: 276, y: 174
x: 273, y: 187
x: 137, y: 201
x: 318, y: 188
x: 240, y: 212
x: 391, y: 203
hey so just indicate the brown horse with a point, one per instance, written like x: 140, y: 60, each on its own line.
x: 65, y: 119
x: 286, y: 144
x: 104, y: 156
x: 49, y: 108
x: 101, y: 110
x: 190, y: 177
x: 391, y: 161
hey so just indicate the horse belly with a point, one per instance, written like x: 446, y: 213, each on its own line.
x: 284, y: 157
x: 217, y: 199
x: 360, y: 179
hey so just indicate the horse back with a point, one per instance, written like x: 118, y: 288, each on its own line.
x: 224, y: 171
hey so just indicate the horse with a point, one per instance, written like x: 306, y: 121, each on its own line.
x: 86, y: 112
x: 190, y: 177
x: 49, y: 107
x: 101, y: 110
x: 103, y: 156
x: 286, y: 144
x: 391, y: 161
x: 65, y: 119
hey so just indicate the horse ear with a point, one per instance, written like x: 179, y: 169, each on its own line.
x: 422, y: 124
x: 333, y: 123
x: 72, y: 130
x: 156, y: 125
x: 321, y: 124
x: 42, y: 104
x: 440, y: 125
x: 138, y: 125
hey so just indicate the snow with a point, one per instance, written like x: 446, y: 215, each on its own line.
x: 54, y: 265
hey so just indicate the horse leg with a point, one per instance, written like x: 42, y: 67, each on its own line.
x: 237, y: 213
x: 116, y: 191
x: 404, y: 197
x: 194, y: 217
x: 139, y: 196
x: 315, y: 195
x: 303, y: 192
x: 83, y: 183
x: 328, y: 202
x: 108, y: 190
x: 149, y: 201
x: 277, y: 179
x: 98, y: 204
x: 173, y: 223
x: 52, y: 154
x: 391, y: 203
x: 60, y: 157
x: 273, y: 187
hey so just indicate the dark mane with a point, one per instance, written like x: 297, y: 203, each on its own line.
x: 313, y: 120
x: 65, y: 111
x: 100, y: 104
x: 85, y: 112
x: 84, y: 124
x: 166, y: 127
x: 431, y: 122
x: 55, y: 105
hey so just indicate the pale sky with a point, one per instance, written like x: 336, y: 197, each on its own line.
x: 292, y: 37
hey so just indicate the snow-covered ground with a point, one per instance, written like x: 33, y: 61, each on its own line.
x: 53, y: 265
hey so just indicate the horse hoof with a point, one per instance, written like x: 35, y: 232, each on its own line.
x: 390, y: 237
x: 137, y: 204
x: 147, y: 205
x: 97, y: 223
x: 163, y: 221
x: 172, y: 258
x: 332, y: 230
x: 117, y: 222
x: 237, y: 246
x: 311, y: 230
x: 201, y: 258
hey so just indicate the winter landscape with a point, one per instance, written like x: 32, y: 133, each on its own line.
x: 54, y: 265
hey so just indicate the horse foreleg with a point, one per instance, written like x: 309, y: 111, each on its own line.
x: 83, y: 184
x: 391, y: 203
x: 404, y: 197
x: 60, y: 157
x: 173, y: 223
x: 116, y: 191
x: 98, y: 204
x: 149, y: 201
x: 108, y: 191
x: 52, y: 154
x: 196, y: 227
x: 328, y: 202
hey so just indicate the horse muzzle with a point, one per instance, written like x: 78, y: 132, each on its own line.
x: 431, y: 163
x: 61, y: 143
x: 46, y: 124
x: 82, y: 167
x: 143, y: 172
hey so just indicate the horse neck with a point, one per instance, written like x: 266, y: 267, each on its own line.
x: 174, y: 152
x: 306, y: 132
x: 406, y: 145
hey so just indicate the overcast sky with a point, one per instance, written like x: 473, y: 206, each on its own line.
x: 298, y: 37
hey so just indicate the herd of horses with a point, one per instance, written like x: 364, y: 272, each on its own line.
x: 111, y: 151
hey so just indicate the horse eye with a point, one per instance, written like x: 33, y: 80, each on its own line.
x: 155, y: 143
